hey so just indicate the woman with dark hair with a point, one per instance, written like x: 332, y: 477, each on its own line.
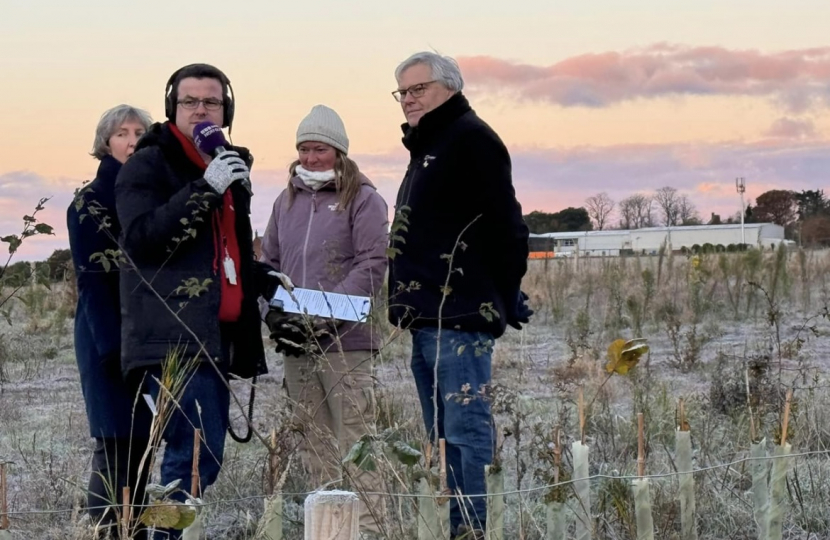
x: 94, y: 229
x: 329, y: 231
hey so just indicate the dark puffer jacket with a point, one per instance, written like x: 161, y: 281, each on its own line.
x: 166, y: 209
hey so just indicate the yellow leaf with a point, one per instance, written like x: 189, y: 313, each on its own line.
x: 188, y: 516
x: 161, y: 515
x: 624, y: 355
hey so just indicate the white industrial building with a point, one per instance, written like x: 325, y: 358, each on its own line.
x: 648, y: 241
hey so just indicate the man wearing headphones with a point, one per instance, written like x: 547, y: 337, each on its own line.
x: 189, y: 284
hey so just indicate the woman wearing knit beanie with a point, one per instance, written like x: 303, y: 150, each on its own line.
x: 328, y: 231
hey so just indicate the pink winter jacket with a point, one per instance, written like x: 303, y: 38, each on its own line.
x: 319, y: 246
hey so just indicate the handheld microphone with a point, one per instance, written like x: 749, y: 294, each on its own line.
x: 209, y: 138
x: 211, y: 141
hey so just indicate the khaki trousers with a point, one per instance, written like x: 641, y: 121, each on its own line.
x: 333, y: 403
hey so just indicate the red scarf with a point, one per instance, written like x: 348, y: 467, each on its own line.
x: 224, y: 234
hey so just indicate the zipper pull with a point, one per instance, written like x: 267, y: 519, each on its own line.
x: 314, y: 201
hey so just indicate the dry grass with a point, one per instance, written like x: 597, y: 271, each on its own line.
x: 707, y: 327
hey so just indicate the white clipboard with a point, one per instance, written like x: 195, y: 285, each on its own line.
x: 344, y: 307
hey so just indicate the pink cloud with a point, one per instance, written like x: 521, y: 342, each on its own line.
x: 790, y: 128
x: 797, y: 78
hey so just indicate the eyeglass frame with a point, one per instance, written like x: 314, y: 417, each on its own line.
x: 197, y: 102
x: 401, y: 94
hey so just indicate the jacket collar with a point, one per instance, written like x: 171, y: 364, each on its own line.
x: 435, y: 121
x: 108, y: 169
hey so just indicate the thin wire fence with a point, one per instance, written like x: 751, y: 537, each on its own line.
x: 658, y: 476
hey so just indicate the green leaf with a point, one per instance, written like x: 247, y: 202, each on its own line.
x: 79, y: 201
x: 398, y: 226
x: 13, y: 241
x: 115, y: 255
x: 105, y: 224
x: 192, y: 287
x: 488, y: 311
x: 366, y: 460
x: 172, y: 486
x: 354, y: 452
x: 405, y: 453
x: 393, y: 252
x: 43, y: 228
x: 461, y: 349
x: 102, y: 259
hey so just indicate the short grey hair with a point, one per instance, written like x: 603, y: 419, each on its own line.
x: 444, y: 69
x: 111, y: 121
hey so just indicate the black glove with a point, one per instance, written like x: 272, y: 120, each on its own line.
x: 523, y: 312
x: 289, y: 331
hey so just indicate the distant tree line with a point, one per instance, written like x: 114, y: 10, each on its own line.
x: 53, y: 269
x: 804, y: 215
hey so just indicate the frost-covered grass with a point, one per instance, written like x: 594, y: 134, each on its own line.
x: 714, y: 324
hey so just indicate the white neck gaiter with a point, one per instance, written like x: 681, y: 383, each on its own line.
x: 314, y: 179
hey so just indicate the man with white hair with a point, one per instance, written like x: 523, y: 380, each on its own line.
x: 458, y: 252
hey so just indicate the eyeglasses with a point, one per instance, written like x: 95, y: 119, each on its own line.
x: 211, y: 104
x: 416, y: 90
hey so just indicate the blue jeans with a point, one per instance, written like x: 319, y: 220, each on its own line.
x: 208, y: 389
x: 464, y: 358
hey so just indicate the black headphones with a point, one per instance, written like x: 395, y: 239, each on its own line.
x: 171, y: 92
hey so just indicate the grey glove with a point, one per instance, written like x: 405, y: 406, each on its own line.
x: 224, y: 170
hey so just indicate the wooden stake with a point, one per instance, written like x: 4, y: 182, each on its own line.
x: 752, y: 433
x: 4, y: 501
x: 786, y: 422
x: 126, y: 517
x: 331, y: 515
x: 581, y: 416
x: 272, y: 463
x: 684, y: 426
x: 557, y: 456
x: 442, y: 452
x: 194, y: 473
x: 641, y: 447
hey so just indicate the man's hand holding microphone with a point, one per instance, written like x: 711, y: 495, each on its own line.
x: 227, y: 166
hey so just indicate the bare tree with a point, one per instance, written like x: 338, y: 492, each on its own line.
x: 599, y: 209
x: 627, y: 219
x: 668, y: 201
x: 686, y: 212
x: 636, y: 212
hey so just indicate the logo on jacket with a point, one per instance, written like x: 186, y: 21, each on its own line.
x: 427, y: 159
x: 334, y: 207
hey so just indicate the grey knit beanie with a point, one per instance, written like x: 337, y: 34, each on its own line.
x: 323, y: 125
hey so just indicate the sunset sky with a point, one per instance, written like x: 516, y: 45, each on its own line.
x: 589, y: 96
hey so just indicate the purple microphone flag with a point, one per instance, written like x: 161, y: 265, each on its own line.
x: 208, y: 137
